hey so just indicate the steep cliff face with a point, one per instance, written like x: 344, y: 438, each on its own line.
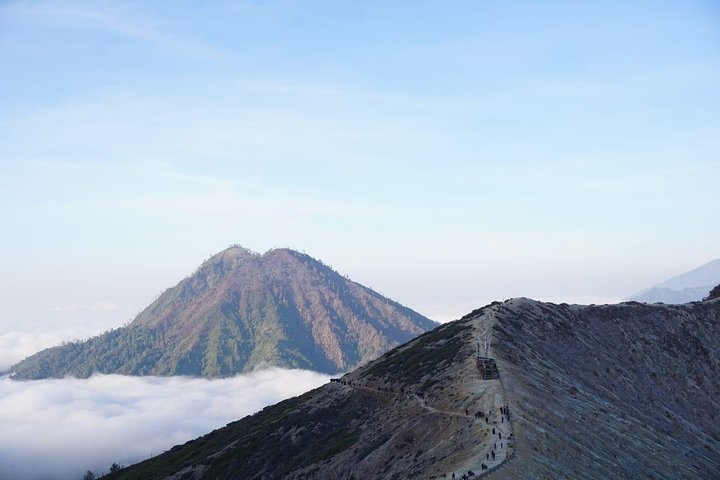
x: 593, y: 392
x: 238, y: 311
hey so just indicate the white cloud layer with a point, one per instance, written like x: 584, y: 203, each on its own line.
x: 18, y: 345
x: 58, y: 429
x: 15, y: 346
x: 95, y: 307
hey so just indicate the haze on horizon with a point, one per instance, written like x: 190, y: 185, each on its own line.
x: 446, y: 155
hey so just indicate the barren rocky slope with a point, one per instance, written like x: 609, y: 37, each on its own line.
x: 238, y: 311
x: 615, y: 392
x: 595, y: 392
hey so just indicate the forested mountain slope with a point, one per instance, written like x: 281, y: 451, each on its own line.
x: 239, y: 311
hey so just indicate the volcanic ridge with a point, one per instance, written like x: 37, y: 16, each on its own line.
x: 516, y: 389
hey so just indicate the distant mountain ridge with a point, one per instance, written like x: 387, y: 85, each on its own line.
x: 239, y: 311
x: 691, y: 286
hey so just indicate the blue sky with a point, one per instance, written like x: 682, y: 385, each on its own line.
x: 445, y: 153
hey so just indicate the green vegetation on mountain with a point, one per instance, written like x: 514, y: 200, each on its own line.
x: 239, y: 311
x: 409, y: 363
x: 268, y: 440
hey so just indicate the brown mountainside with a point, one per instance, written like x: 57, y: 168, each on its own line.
x: 241, y: 310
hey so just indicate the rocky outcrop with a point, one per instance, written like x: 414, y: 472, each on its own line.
x: 714, y: 293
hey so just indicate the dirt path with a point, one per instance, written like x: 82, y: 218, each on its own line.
x: 423, y: 404
x: 482, y: 438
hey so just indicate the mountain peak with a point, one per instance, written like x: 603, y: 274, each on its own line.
x: 284, y: 253
x: 234, y: 251
x: 240, y: 310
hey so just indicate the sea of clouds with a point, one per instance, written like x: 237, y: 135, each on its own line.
x: 58, y: 429
x: 15, y: 346
x: 20, y: 339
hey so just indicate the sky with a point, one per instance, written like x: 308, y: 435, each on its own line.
x: 446, y: 154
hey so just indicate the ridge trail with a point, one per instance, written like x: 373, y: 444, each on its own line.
x: 483, y: 405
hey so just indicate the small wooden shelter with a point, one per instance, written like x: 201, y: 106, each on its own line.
x: 487, y: 368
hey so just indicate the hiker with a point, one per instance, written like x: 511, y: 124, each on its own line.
x: 500, y: 435
x: 493, y: 430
